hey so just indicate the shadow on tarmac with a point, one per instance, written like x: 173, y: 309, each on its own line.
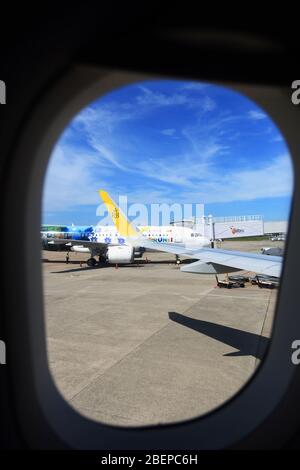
x: 248, y: 344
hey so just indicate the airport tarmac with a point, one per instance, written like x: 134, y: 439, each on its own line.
x: 145, y: 343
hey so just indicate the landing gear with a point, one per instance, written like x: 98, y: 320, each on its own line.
x: 101, y: 259
x: 178, y: 261
x: 91, y: 262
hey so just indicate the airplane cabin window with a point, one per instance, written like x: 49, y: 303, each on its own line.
x: 165, y: 216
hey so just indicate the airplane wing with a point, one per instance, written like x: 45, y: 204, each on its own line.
x: 215, y: 260
x: 211, y: 260
x: 87, y: 243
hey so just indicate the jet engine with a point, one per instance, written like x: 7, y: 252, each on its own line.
x: 120, y: 254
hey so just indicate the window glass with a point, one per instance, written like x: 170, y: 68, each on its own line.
x: 140, y: 335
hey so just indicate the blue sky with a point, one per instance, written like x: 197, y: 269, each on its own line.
x: 165, y: 141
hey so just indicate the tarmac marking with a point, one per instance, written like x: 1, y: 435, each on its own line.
x: 237, y: 297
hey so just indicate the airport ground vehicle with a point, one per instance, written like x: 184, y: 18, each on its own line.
x: 268, y: 282
x: 229, y: 284
x: 238, y: 278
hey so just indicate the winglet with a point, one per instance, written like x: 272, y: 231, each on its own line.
x: 123, y: 226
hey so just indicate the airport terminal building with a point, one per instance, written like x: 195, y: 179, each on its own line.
x: 235, y: 226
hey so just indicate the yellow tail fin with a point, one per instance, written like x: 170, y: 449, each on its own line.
x: 123, y: 226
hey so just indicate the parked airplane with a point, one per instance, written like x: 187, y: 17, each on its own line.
x: 123, y: 243
x: 103, y: 242
x: 110, y: 243
x: 210, y: 260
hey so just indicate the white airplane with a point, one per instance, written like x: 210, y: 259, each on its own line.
x: 120, y: 245
x: 110, y: 242
x: 210, y: 260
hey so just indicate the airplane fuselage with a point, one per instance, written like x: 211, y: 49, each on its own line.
x: 110, y: 236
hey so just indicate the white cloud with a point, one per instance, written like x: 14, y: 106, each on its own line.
x: 274, y: 179
x: 155, y: 98
x: 73, y: 180
x: 150, y: 98
x: 196, y: 174
x: 169, y: 132
x: 105, y: 117
x: 206, y: 138
x: 194, y: 86
x: 106, y: 154
x: 208, y: 104
x: 256, y: 115
x: 195, y: 181
x: 278, y: 138
x: 70, y: 180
